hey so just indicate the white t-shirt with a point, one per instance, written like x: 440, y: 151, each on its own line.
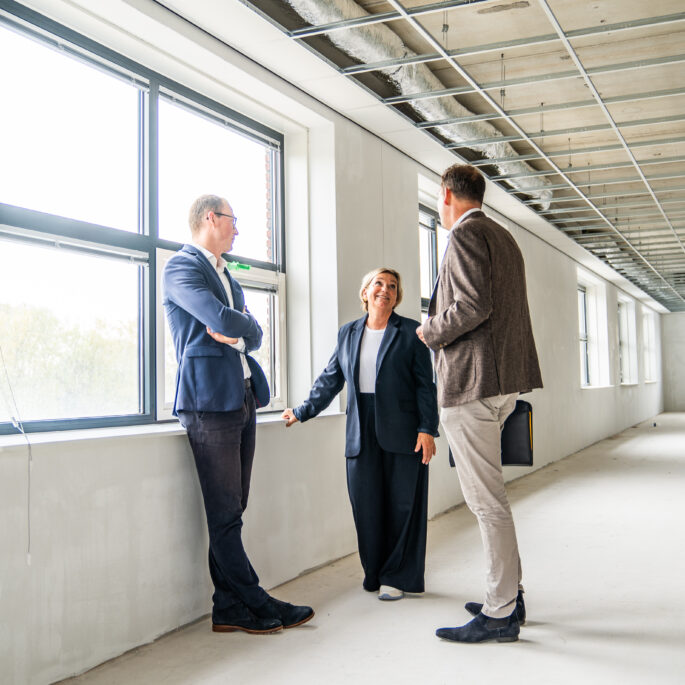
x: 371, y: 343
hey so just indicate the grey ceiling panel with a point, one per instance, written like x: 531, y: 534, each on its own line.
x: 584, y: 100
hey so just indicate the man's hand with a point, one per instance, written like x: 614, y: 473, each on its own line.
x: 221, y: 338
x: 419, y: 332
x: 426, y: 444
x: 289, y: 417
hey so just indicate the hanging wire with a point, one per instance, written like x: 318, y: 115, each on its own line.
x: 18, y: 424
x: 503, y: 72
x: 445, y: 30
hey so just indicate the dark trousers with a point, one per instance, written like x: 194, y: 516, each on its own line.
x: 389, y: 496
x: 223, y: 445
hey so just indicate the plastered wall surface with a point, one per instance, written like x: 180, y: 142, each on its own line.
x: 673, y: 351
x: 118, y: 535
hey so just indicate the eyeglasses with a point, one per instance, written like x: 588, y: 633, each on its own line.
x: 230, y: 216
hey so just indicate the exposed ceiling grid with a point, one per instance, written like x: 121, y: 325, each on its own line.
x: 583, y: 102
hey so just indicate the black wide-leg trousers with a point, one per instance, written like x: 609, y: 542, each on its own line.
x: 389, y: 497
x: 223, y: 445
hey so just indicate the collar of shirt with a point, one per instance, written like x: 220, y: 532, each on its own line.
x: 219, y: 265
x: 465, y: 214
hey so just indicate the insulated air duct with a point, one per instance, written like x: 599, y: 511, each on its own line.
x: 376, y: 42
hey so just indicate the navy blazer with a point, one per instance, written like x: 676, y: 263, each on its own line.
x: 210, y: 374
x: 406, y: 401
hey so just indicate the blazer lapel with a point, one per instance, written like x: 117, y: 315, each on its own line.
x: 432, y: 304
x: 388, y: 337
x: 211, y: 272
x: 236, y: 292
x: 355, y: 346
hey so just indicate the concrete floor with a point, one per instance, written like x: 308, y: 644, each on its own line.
x: 601, y: 538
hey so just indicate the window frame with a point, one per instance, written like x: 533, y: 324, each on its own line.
x: 583, y: 337
x: 432, y: 227
x: 627, y: 341
x: 144, y: 244
x: 596, y: 322
x: 649, y: 348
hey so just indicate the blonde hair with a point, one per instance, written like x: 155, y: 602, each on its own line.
x: 366, y: 281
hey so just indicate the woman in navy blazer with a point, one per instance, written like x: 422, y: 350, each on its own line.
x: 392, y: 416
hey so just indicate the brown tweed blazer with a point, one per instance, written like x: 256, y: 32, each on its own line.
x: 479, y: 323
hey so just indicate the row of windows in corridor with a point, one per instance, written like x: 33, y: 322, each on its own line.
x: 87, y: 225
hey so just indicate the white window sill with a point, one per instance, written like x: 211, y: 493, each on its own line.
x: 167, y: 428
x: 595, y: 387
x: 107, y: 433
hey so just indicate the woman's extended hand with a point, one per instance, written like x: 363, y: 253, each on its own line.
x: 289, y: 417
x: 221, y: 338
x: 426, y: 444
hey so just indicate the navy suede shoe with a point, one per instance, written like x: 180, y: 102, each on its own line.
x: 289, y: 615
x: 474, y: 608
x: 239, y: 617
x: 483, y: 629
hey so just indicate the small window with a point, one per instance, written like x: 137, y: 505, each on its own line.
x: 627, y: 343
x: 582, y: 327
x: 427, y: 253
x: 649, y: 320
x: 592, y: 331
x: 432, y: 245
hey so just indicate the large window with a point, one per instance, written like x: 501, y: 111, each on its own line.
x: 101, y: 159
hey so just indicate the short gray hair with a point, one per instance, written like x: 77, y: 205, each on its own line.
x: 199, y: 209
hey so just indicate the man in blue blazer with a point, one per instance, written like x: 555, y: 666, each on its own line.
x: 218, y: 388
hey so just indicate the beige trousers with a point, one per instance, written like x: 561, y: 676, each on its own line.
x: 474, y: 432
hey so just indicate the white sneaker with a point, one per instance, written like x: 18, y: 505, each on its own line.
x: 388, y: 593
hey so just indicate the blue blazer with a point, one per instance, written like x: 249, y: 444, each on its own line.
x: 210, y: 374
x: 406, y: 401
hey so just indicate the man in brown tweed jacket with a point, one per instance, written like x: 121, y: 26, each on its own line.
x: 479, y: 327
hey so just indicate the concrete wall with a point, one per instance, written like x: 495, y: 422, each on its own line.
x: 118, y: 533
x: 673, y: 351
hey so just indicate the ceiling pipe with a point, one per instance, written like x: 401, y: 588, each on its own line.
x: 376, y: 42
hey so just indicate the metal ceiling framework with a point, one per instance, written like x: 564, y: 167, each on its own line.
x: 616, y: 164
